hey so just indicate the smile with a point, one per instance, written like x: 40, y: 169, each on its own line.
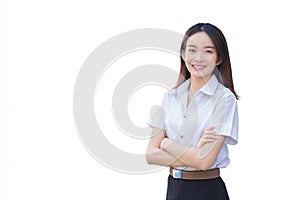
x: 198, y: 67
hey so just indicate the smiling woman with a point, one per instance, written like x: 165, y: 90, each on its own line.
x: 198, y: 119
x: 200, y: 56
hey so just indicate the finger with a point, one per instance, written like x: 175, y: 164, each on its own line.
x: 210, y: 134
x: 205, y: 141
x: 210, y: 138
x: 208, y: 129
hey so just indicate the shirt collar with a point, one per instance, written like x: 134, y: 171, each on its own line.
x: 209, y: 88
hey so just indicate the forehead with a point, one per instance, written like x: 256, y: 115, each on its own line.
x: 200, y: 39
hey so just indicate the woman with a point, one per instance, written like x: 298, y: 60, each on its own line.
x: 197, y: 119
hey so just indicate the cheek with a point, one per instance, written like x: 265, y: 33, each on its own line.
x: 213, y: 60
x: 188, y: 66
x: 189, y: 58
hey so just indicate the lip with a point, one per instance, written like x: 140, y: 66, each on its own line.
x: 199, y: 67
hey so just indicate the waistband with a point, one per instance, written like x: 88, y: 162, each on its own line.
x: 194, y: 175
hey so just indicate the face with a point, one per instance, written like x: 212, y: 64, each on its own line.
x: 200, y: 55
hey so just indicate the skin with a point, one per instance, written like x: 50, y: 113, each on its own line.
x: 201, y: 59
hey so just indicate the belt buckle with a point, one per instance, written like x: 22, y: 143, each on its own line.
x: 177, y: 173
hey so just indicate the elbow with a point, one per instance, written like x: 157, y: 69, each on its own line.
x: 204, y: 165
x: 205, y: 162
x: 149, y: 158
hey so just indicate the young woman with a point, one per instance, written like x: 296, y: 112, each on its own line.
x: 197, y: 119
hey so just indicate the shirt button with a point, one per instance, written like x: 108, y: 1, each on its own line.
x: 184, y: 116
x: 181, y: 136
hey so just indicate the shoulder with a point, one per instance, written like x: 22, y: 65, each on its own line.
x: 169, y: 94
x: 223, y: 93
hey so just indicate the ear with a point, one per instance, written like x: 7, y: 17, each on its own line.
x: 219, y: 61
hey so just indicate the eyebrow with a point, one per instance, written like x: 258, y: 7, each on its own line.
x: 206, y: 47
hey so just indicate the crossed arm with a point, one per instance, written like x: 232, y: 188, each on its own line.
x: 166, y: 152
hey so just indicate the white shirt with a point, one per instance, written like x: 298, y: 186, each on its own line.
x: 213, y: 105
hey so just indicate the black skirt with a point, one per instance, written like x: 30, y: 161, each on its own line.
x: 209, y: 189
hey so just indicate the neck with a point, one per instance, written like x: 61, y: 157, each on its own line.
x: 198, y: 83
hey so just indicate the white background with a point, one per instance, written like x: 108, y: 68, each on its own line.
x: 44, y: 44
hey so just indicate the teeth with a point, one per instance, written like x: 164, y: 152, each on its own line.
x: 199, y: 66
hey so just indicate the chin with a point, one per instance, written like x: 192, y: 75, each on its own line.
x: 200, y: 75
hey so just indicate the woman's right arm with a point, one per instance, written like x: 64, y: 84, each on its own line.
x: 155, y: 155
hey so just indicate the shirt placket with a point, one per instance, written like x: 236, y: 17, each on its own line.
x: 183, y: 127
x: 180, y: 138
x: 189, y: 123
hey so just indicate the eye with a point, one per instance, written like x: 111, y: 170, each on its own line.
x: 192, y: 50
x: 209, y: 52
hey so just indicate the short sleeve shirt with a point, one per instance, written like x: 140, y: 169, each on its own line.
x: 212, y: 105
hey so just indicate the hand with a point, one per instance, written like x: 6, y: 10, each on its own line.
x: 164, y: 143
x: 208, y: 136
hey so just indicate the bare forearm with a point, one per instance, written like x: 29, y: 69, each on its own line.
x: 202, y: 158
x: 161, y: 157
x: 189, y: 156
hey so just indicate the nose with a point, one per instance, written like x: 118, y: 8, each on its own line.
x: 199, y: 56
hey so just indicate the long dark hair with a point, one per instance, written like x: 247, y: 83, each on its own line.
x: 223, y: 71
